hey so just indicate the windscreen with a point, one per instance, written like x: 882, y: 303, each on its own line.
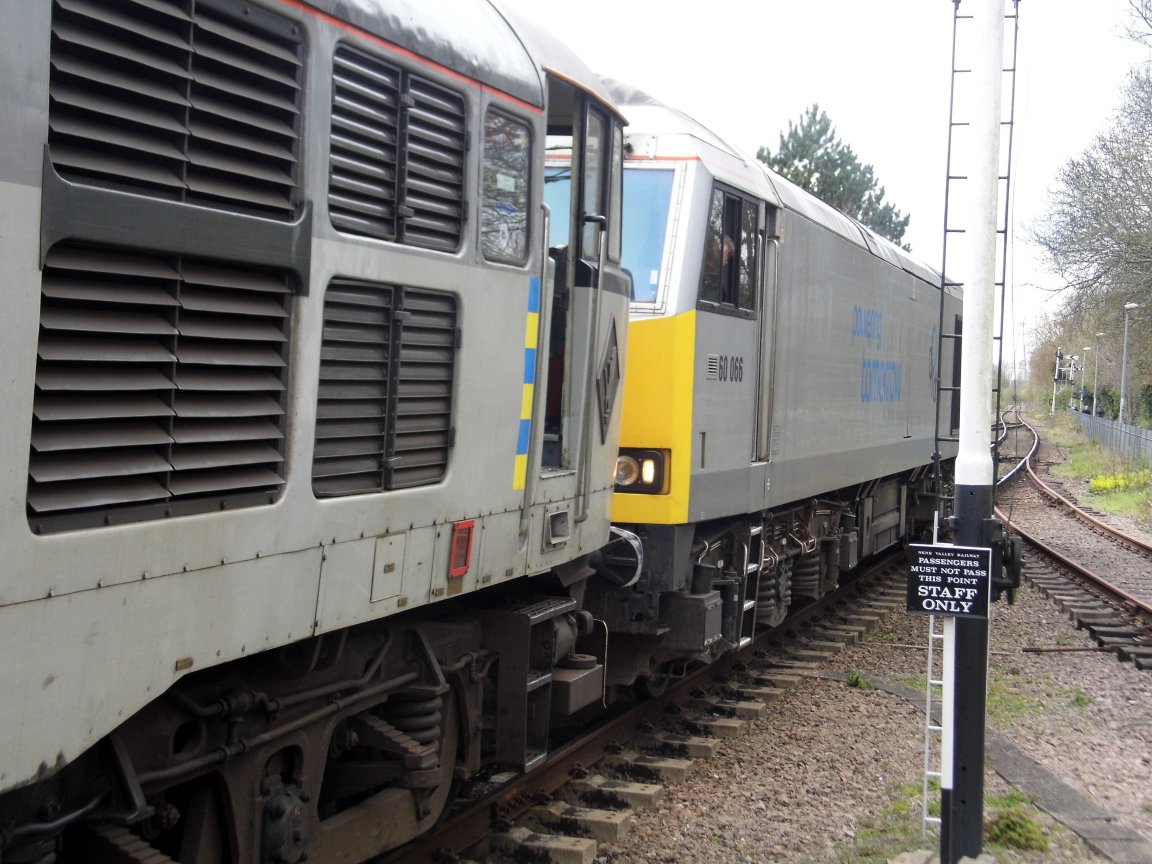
x: 647, y: 201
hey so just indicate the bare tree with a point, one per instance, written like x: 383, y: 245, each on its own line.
x: 1140, y: 30
x: 1097, y: 234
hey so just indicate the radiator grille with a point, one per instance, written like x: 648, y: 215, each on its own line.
x: 397, y: 150
x: 384, y: 412
x: 160, y: 385
x: 191, y: 101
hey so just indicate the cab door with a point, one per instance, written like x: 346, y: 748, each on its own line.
x: 583, y: 313
x: 727, y: 355
x: 770, y: 243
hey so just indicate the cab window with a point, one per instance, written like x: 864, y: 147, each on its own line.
x: 596, y: 166
x: 504, y: 204
x: 728, y: 273
x: 615, y: 219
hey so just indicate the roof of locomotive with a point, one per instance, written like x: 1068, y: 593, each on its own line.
x: 659, y: 131
x: 554, y: 56
x: 475, y: 38
x: 672, y: 120
x: 649, y: 115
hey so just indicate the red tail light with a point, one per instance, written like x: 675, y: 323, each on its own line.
x: 461, y: 556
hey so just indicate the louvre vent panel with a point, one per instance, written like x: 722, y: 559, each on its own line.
x: 384, y: 411
x: 355, y: 364
x: 397, y: 151
x: 424, y: 389
x: 199, y: 106
x: 365, y: 123
x: 435, y: 181
x: 168, y: 371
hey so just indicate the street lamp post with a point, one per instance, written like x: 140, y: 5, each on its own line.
x: 1128, y: 307
x: 1096, y: 376
x: 1087, y: 348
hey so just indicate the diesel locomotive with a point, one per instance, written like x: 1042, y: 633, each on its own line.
x: 781, y: 399
x: 311, y: 431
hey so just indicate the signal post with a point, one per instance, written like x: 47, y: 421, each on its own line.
x: 958, y: 581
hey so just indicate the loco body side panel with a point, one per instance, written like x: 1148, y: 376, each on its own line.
x: 856, y: 342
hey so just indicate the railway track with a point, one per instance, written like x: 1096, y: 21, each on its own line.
x: 586, y: 790
x: 1099, y: 575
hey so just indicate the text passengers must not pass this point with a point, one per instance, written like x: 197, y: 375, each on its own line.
x: 949, y: 580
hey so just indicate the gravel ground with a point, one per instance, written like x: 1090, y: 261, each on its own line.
x: 827, y: 772
x: 829, y: 759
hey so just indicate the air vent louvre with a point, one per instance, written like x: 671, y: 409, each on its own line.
x: 397, y: 149
x: 365, y: 129
x: 160, y: 381
x: 435, y: 179
x: 424, y: 389
x: 384, y: 411
x: 198, y: 106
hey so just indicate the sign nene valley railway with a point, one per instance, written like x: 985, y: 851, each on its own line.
x: 949, y: 580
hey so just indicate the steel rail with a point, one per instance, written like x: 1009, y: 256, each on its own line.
x: 1117, y: 596
x: 1113, y: 593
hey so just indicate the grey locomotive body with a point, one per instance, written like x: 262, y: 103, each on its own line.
x: 290, y: 378
x: 781, y: 399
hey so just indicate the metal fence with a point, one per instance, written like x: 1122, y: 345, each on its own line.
x: 1123, y: 439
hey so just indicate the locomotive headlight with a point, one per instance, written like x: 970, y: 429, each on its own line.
x: 641, y: 471
x: 648, y: 471
x: 627, y: 470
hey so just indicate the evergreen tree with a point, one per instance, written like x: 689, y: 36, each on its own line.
x: 814, y: 158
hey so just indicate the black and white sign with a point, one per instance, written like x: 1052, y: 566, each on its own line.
x: 949, y: 580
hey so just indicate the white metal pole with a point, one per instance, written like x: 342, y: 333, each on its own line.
x: 962, y: 801
x: 1096, y: 375
x: 1128, y: 307
x: 974, y: 461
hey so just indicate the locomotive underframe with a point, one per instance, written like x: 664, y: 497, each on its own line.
x: 709, y: 587
x: 333, y: 748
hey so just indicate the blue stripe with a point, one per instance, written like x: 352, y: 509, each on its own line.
x: 534, y: 294
x: 529, y: 365
x: 525, y: 434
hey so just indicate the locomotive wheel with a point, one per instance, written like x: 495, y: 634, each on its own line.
x: 651, y: 686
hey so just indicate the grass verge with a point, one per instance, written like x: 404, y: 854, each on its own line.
x: 1011, y: 824
x: 1115, y: 484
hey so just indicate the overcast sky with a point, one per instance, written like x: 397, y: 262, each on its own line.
x: 881, y: 71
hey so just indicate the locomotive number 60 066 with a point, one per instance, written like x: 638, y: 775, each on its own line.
x: 730, y: 368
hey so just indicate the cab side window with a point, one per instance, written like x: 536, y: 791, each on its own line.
x: 504, y: 205
x: 596, y: 156
x: 728, y: 273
